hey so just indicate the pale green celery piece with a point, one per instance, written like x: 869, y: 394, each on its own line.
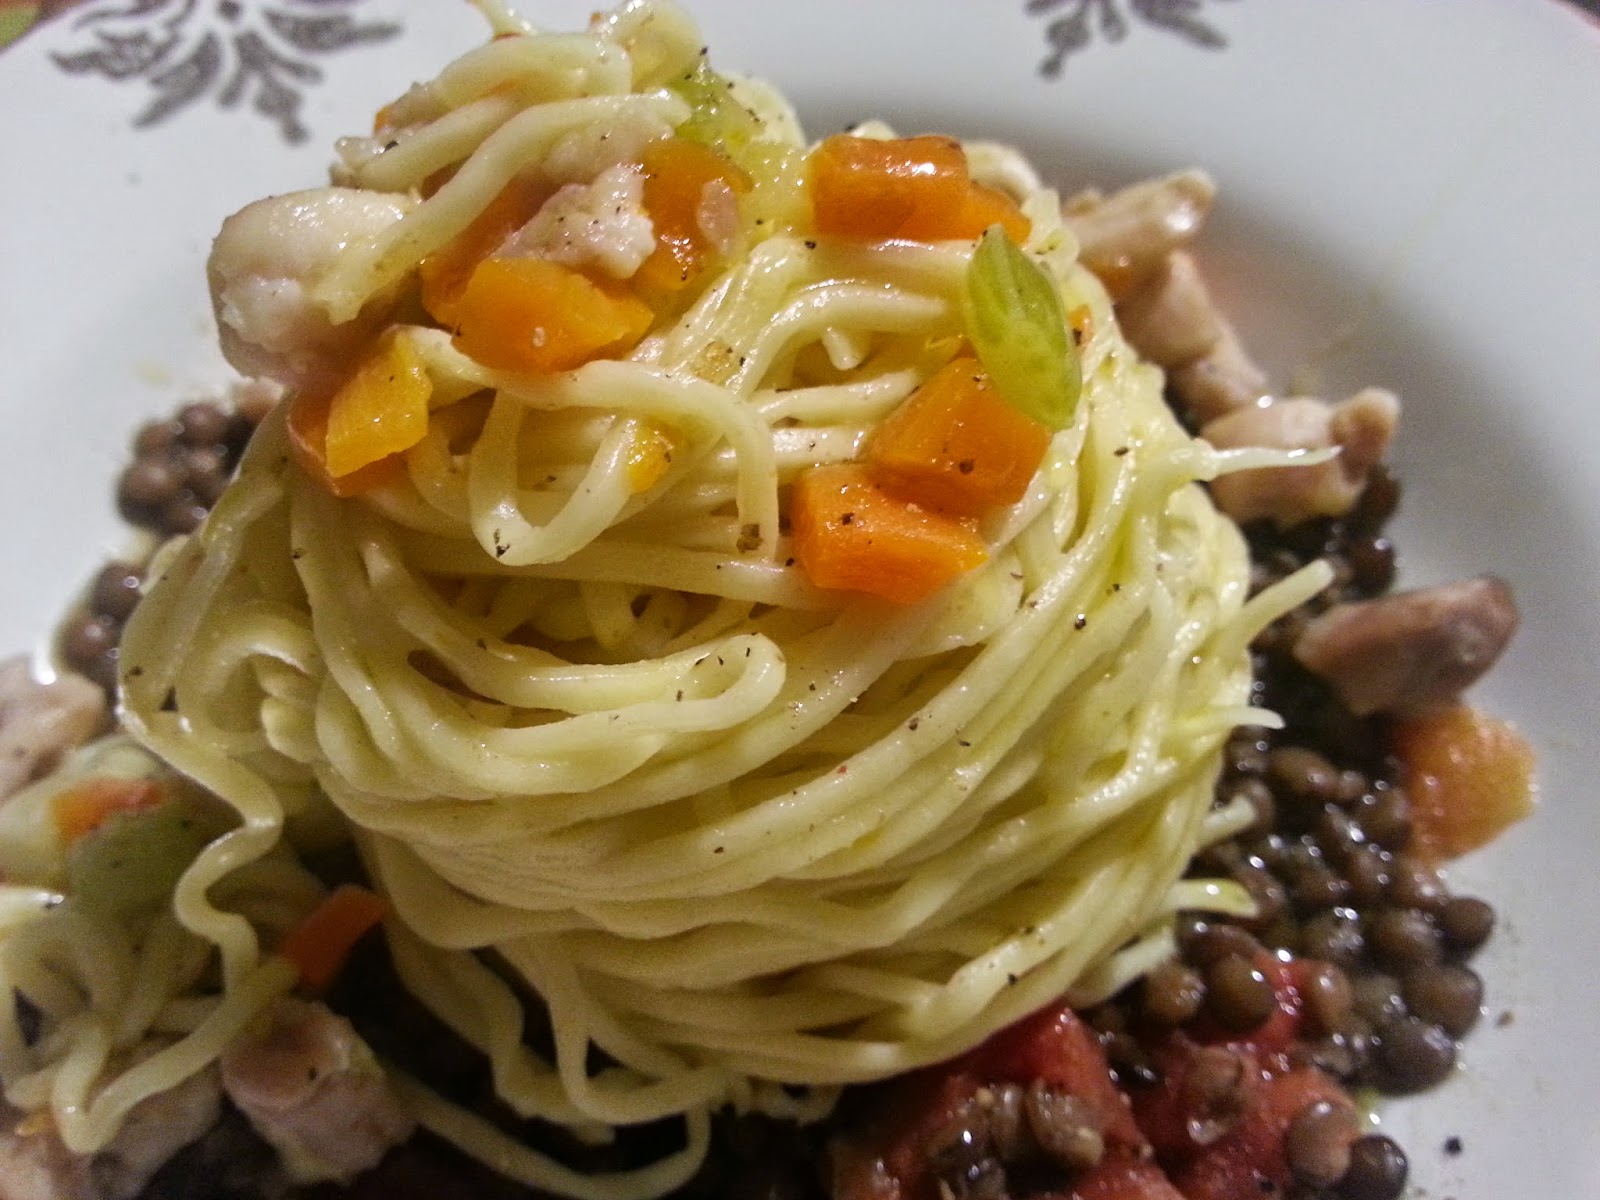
x: 130, y: 864
x: 31, y: 848
x: 1019, y: 330
x: 716, y: 119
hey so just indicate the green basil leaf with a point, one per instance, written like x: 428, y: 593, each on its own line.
x: 1016, y: 324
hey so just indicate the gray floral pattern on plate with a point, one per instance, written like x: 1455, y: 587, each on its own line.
x: 236, y: 52
x: 1074, y: 24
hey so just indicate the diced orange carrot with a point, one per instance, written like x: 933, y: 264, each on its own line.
x: 90, y: 803
x: 380, y: 410
x: 1469, y: 776
x: 851, y: 534
x: 916, y: 188
x: 445, y: 272
x: 904, y: 188
x: 321, y: 943
x: 677, y: 173
x: 648, y: 458
x: 308, y: 442
x: 528, y: 314
x: 985, y: 206
x: 956, y: 445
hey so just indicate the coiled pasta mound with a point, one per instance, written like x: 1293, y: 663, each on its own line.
x: 522, y: 590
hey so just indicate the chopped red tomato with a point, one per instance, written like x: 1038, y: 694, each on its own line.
x: 1125, y: 1179
x: 1056, y: 1047
x: 1249, y: 1160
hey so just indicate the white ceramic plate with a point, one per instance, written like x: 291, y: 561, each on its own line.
x: 1411, y: 196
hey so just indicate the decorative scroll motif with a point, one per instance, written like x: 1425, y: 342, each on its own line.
x: 261, y: 55
x: 1074, y: 24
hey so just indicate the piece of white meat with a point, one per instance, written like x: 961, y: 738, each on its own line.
x: 1359, y: 428
x: 313, y: 1090
x: 1125, y: 237
x: 153, y: 1131
x: 1223, y: 380
x: 262, y: 265
x: 1170, y: 318
x: 35, y: 1165
x: 601, y: 223
x: 1411, y: 650
x: 40, y: 722
x: 587, y: 152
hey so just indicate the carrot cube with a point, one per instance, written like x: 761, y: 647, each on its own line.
x: 915, y: 188
x: 851, y: 534
x: 677, y: 173
x: 444, y: 273
x: 956, y: 445
x: 380, y: 410
x: 528, y: 314
x: 1469, y: 777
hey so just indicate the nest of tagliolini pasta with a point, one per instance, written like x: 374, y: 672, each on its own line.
x: 607, y: 578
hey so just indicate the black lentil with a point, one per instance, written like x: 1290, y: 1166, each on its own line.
x: 1303, y: 773
x: 1376, y: 998
x: 1216, y: 941
x: 116, y: 591
x: 1214, y: 1092
x: 1448, y: 995
x: 1416, y: 884
x: 1239, y: 996
x: 1328, y: 998
x: 1385, y: 816
x: 1366, y: 869
x: 1404, y: 937
x: 1378, y: 1170
x: 1335, y: 936
x: 1317, y: 1144
x: 1414, y: 1054
x: 1064, y: 1126
x: 1465, y: 922
x: 180, y: 467
x: 1173, y: 993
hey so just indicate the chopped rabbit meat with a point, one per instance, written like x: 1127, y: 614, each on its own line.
x: 262, y: 266
x: 1410, y: 650
x: 40, y: 722
x: 312, y: 1088
x: 1358, y: 429
x: 1125, y: 238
